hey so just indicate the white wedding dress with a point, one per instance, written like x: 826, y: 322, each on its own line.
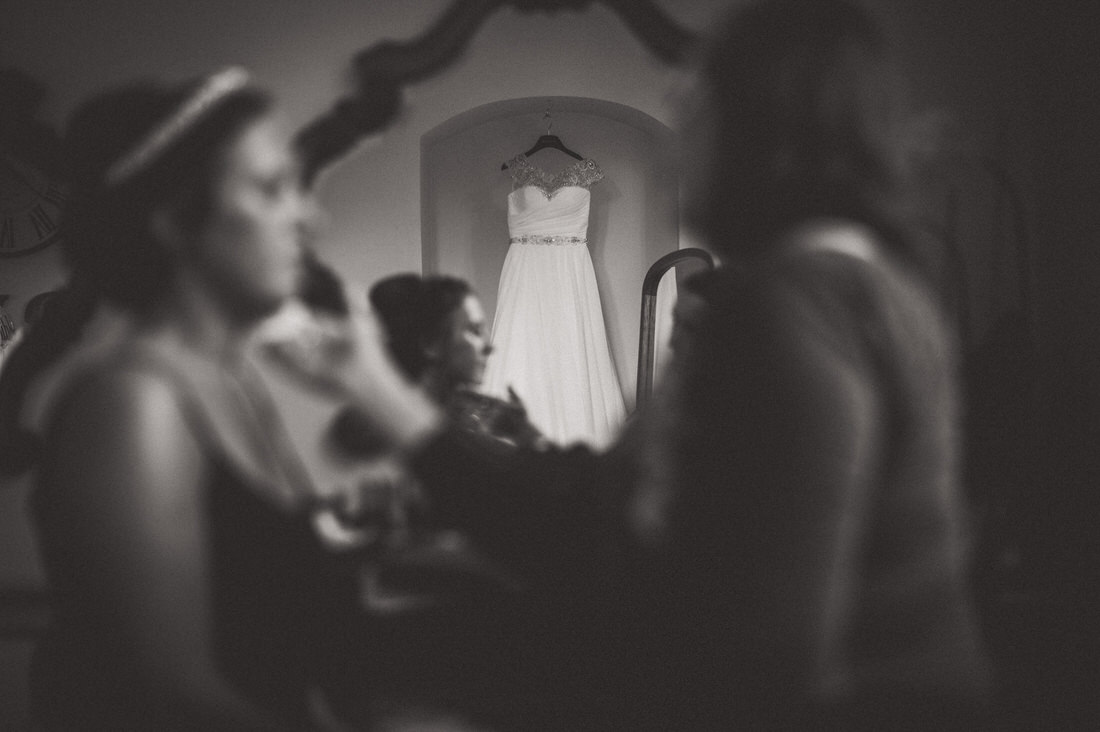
x: 549, y: 339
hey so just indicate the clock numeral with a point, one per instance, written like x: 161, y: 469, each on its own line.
x: 7, y: 233
x: 54, y: 194
x: 43, y: 224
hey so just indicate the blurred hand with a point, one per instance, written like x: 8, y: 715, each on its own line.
x: 347, y: 359
x: 511, y: 416
x: 509, y: 421
x: 376, y: 511
x: 323, y: 352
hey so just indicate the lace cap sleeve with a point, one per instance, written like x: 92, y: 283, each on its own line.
x: 583, y: 173
x: 520, y: 171
x: 590, y: 172
x: 518, y: 166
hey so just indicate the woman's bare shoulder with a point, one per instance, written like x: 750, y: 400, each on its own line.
x: 115, y: 387
x: 113, y: 424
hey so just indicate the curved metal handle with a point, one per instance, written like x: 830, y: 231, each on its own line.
x: 649, y: 306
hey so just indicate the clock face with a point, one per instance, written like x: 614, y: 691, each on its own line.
x: 30, y: 207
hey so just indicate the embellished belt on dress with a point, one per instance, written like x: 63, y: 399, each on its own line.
x: 534, y: 239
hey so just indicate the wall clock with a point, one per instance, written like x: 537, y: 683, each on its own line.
x: 31, y: 203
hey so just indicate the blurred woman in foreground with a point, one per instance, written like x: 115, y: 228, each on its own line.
x: 190, y: 589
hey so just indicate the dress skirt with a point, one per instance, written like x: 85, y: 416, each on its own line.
x: 550, y: 343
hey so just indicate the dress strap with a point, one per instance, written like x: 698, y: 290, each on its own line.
x: 253, y: 415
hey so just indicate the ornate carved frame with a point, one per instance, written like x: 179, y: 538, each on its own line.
x: 382, y: 70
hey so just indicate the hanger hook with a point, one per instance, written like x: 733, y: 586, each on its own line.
x: 549, y: 120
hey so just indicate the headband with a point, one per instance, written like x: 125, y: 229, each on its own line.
x: 215, y: 88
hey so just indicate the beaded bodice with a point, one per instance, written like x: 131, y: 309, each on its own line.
x: 580, y: 174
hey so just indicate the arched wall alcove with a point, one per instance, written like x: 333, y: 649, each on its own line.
x: 634, y: 216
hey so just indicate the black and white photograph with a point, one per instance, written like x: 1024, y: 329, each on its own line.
x: 549, y: 366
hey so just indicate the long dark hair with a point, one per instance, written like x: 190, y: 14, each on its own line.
x: 811, y: 113
x: 108, y: 245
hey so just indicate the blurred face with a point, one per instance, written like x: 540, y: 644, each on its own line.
x: 466, y: 350
x: 250, y: 245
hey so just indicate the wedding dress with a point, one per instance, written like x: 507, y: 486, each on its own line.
x: 549, y: 339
